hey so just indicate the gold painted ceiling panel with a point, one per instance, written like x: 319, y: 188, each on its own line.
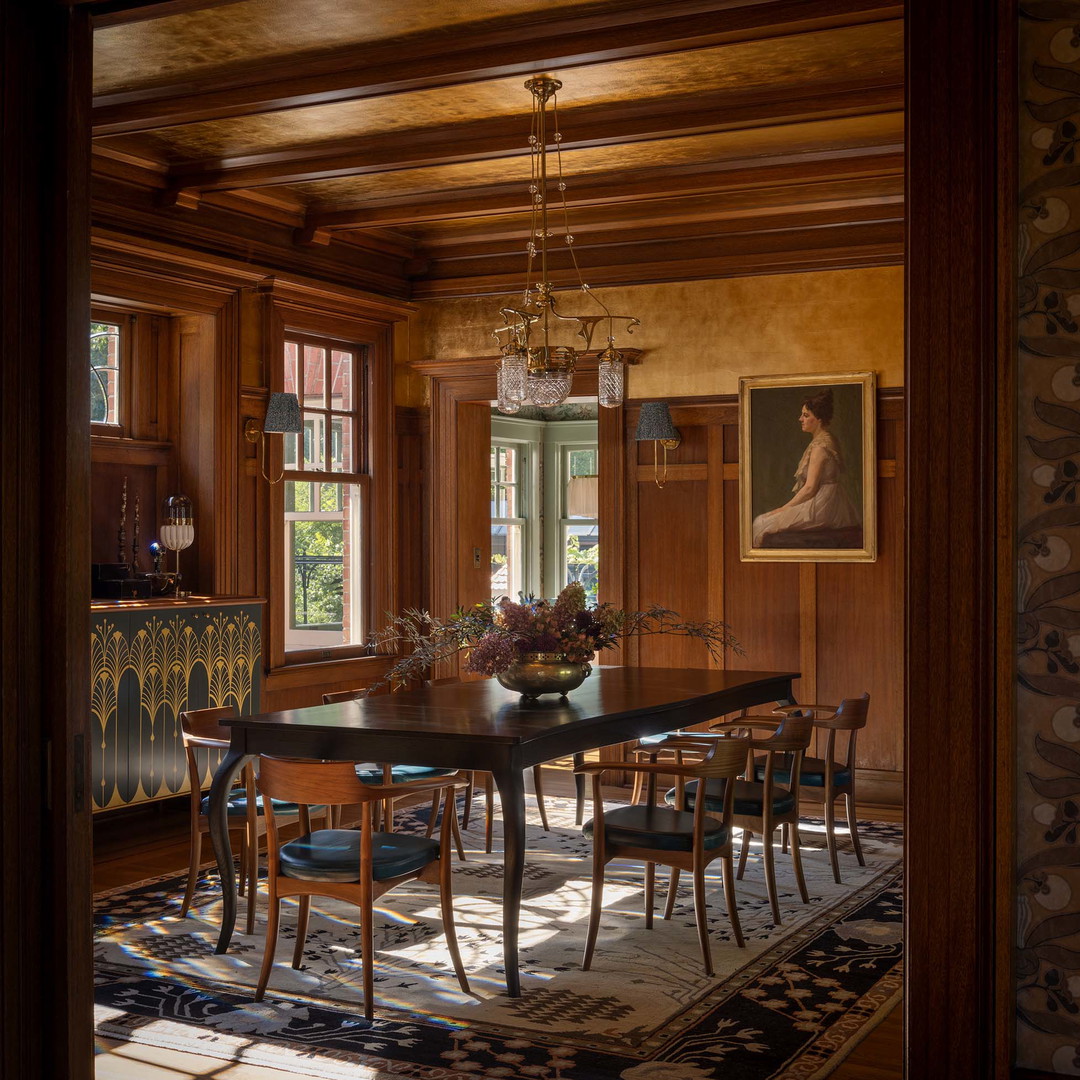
x: 854, y: 54
x: 154, y: 51
x: 716, y: 147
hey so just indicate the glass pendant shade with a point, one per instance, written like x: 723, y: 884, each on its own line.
x: 515, y: 370
x: 549, y: 387
x: 503, y: 400
x: 611, y: 381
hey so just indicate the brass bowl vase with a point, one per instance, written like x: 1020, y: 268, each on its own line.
x: 544, y: 673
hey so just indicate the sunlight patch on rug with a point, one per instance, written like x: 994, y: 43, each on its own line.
x: 785, y: 1006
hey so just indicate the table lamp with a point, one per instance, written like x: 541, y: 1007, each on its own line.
x: 177, y: 529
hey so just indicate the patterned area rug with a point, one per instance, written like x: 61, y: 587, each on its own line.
x: 791, y: 1004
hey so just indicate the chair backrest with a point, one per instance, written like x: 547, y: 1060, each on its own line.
x: 311, y: 783
x: 850, y: 716
x: 791, y: 738
x: 726, y: 758
x: 203, y: 727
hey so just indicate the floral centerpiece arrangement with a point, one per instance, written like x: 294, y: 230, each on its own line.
x: 499, y: 636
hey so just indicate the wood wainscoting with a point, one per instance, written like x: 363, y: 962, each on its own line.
x: 840, y: 624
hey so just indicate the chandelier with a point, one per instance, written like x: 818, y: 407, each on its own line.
x: 536, y: 366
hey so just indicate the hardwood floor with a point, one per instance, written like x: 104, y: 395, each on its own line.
x: 132, y: 845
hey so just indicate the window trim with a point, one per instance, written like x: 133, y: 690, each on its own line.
x: 126, y: 321
x: 528, y: 436
x: 373, y: 340
x: 559, y: 437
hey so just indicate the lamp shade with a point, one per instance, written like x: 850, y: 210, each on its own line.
x: 655, y: 422
x: 283, y: 415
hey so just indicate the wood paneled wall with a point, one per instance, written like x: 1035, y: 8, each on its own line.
x: 840, y: 624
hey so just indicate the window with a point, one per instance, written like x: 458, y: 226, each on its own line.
x: 579, y: 527
x: 106, y: 342
x: 325, y: 493
x: 508, y: 511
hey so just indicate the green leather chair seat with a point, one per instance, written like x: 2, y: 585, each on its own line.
x: 658, y: 828
x: 811, y: 775
x: 238, y: 806
x: 749, y: 797
x: 402, y: 773
x: 334, y: 855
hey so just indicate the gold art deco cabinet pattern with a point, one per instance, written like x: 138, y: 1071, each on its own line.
x: 147, y: 665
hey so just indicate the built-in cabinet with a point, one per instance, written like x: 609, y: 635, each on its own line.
x: 151, y: 660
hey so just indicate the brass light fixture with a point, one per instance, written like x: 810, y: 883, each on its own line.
x: 655, y: 423
x: 535, y: 367
x: 282, y: 418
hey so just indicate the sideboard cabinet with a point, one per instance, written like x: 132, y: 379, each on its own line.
x: 149, y: 661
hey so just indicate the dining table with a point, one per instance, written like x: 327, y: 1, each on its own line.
x: 483, y: 726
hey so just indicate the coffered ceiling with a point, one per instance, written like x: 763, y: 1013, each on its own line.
x: 696, y: 133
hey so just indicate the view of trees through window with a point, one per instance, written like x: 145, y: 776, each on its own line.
x: 104, y: 373
x: 323, y: 498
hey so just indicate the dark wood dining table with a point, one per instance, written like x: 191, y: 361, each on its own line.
x: 480, y: 725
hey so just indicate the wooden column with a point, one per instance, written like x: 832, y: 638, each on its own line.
x: 45, y: 844
x: 961, y: 85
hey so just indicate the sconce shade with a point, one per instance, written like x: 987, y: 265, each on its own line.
x: 655, y: 422
x: 283, y: 415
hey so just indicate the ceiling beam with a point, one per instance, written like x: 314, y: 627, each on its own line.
x: 786, y: 251
x: 583, y: 127
x: 765, y: 220
x: 119, y: 12
x: 640, y: 185
x: 701, y: 211
x: 622, y: 29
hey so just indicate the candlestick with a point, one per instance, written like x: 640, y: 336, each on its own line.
x: 135, y: 540
x: 121, y: 533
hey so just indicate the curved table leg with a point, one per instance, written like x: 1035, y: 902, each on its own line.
x: 511, y: 784
x: 224, y: 777
x: 579, y: 785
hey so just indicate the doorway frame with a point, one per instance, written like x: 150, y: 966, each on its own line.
x: 961, y: 110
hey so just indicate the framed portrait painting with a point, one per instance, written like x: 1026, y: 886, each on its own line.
x: 808, y: 468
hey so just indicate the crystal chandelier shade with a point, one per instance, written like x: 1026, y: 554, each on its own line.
x: 537, y: 366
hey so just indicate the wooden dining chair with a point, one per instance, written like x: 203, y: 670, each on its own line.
x: 680, y: 840
x: 653, y: 748
x: 831, y: 776
x: 201, y: 729
x: 759, y: 806
x: 357, y: 866
x: 390, y: 775
x: 396, y: 773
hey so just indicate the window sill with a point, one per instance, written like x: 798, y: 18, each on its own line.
x: 339, y: 669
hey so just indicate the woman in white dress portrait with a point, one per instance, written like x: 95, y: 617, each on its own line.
x: 819, y: 500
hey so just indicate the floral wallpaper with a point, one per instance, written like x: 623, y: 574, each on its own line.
x: 1048, y: 507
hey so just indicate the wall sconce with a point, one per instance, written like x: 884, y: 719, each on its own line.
x: 282, y: 418
x: 655, y: 423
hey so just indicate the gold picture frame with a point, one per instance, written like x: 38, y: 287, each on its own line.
x: 784, y: 448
